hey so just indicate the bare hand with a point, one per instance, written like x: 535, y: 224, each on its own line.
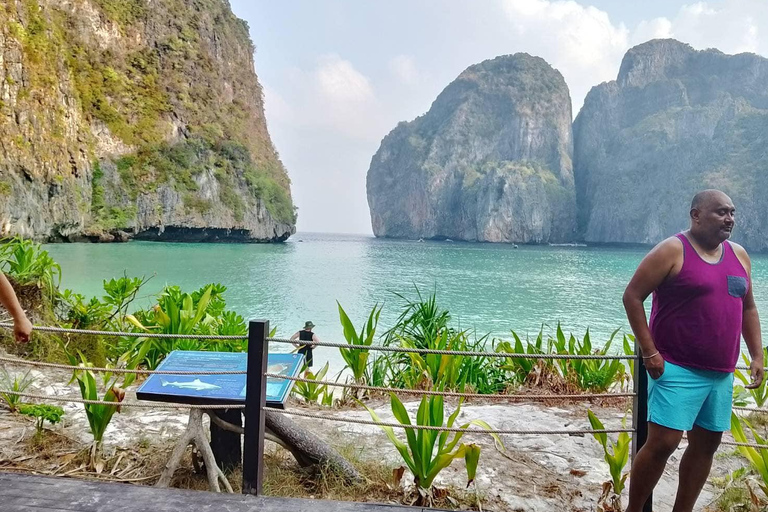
x: 655, y: 366
x: 22, y: 328
x: 757, y: 372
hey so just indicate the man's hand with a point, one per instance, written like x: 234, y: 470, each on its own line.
x: 757, y: 372
x: 655, y: 366
x: 22, y: 328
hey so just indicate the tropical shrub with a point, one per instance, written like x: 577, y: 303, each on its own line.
x: 757, y: 457
x: 759, y: 394
x: 17, y: 383
x: 521, y: 367
x: 427, y: 452
x: 356, y: 356
x: 28, y: 263
x: 176, y: 312
x: 616, y: 457
x: 311, y: 392
x: 596, y: 375
x: 42, y: 412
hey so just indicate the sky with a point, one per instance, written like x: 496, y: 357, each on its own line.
x: 338, y: 75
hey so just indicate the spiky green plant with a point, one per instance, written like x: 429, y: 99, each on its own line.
x: 17, y: 383
x: 356, y: 356
x: 618, y: 454
x: 427, y: 452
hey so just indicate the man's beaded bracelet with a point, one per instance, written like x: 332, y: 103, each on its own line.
x: 652, y: 355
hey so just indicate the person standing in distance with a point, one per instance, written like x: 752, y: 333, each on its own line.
x: 702, y: 305
x: 22, y: 327
x: 305, y: 349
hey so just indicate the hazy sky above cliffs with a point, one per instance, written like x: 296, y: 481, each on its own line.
x: 338, y: 75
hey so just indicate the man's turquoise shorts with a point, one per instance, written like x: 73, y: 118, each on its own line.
x: 683, y: 397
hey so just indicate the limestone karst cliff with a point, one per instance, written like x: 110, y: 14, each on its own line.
x: 675, y: 121
x: 490, y: 160
x: 135, y: 118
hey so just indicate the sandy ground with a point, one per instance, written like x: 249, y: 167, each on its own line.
x: 536, y: 473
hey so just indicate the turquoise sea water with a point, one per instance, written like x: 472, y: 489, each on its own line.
x: 488, y: 287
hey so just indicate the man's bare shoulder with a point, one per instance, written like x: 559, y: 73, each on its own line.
x: 741, y: 254
x: 739, y: 250
x: 671, y: 248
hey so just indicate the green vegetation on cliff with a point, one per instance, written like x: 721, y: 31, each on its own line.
x: 164, y: 93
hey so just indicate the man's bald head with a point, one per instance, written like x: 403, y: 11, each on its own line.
x: 712, y: 217
x: 707, y: 197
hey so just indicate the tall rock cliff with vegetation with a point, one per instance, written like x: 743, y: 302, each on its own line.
x: 135, y: 118
x: 490, y: 161
x: 675, y: 121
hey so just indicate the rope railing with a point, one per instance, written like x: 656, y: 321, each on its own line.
x: 468, y: 353
x: 748, y: 445
x: 450, y: 429
x: 75, y: 400
x: 452, y: 394
x: 761, y: 410
x: 24, y: 362
x: 9, y: 325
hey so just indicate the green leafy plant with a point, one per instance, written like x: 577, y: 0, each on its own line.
x: 427, y: 452
x: 616, y: 456
x: 17, y: 383
x: 312, y: 391
x: 520, y: 367
x: 759, y: 394
x: 356, y: 356
x: 28, y: 263
x: 595, y: 375
x: 757, y: 457
x: 99, y: 415
x: 176, y: 312
x: 42, y: 412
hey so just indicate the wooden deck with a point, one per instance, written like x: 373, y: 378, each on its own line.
x: 27, y: 493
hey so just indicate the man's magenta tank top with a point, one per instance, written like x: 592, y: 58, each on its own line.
x: 696, y: 316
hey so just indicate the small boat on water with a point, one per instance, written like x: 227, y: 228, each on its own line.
x: 568, y: 245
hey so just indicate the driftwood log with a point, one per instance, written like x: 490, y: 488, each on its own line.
x: 308, y: 449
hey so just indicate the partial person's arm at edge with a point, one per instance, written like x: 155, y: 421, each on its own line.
x: 750, y: 325
x: 295, y: 337
x: 22, y: 327
x: 315, y: 339
x: 651, y: 272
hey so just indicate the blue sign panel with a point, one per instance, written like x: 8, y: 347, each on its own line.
x: 207, y: 389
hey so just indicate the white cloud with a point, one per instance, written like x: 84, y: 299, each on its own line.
x: 403, y: 67
x: 657, y: 28
x: 732, y: 26
x: 339, y: 81
x: 580, y: 41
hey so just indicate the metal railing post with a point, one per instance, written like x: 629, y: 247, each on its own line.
x: 640, y: 413
x: 255, y: 400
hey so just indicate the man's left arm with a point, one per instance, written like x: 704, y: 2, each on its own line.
x: 750, y: 327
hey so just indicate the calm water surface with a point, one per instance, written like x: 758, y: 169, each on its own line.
x: 492, y: 288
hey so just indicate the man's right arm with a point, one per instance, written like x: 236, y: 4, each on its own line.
x: 651, y: 272
x: 295, y: 337
x: 22, y: 327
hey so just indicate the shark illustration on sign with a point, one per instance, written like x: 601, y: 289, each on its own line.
x: 196, y: 384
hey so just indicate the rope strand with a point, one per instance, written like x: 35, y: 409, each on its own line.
x: 450, y: 393
x: 451, y: 429
x: 8, y: 325
x: 75, y: 400
x: 468, y: 353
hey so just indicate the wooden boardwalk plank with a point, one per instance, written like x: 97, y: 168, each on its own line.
x: 29, y: 493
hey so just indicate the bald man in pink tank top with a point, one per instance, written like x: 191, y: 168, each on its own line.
x: 702, y: 306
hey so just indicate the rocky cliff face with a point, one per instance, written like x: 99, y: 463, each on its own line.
x: 675, y: 121
x: 135, y: 118
x: 490, y: 161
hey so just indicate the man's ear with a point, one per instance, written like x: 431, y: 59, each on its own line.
x: 695, y: 213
